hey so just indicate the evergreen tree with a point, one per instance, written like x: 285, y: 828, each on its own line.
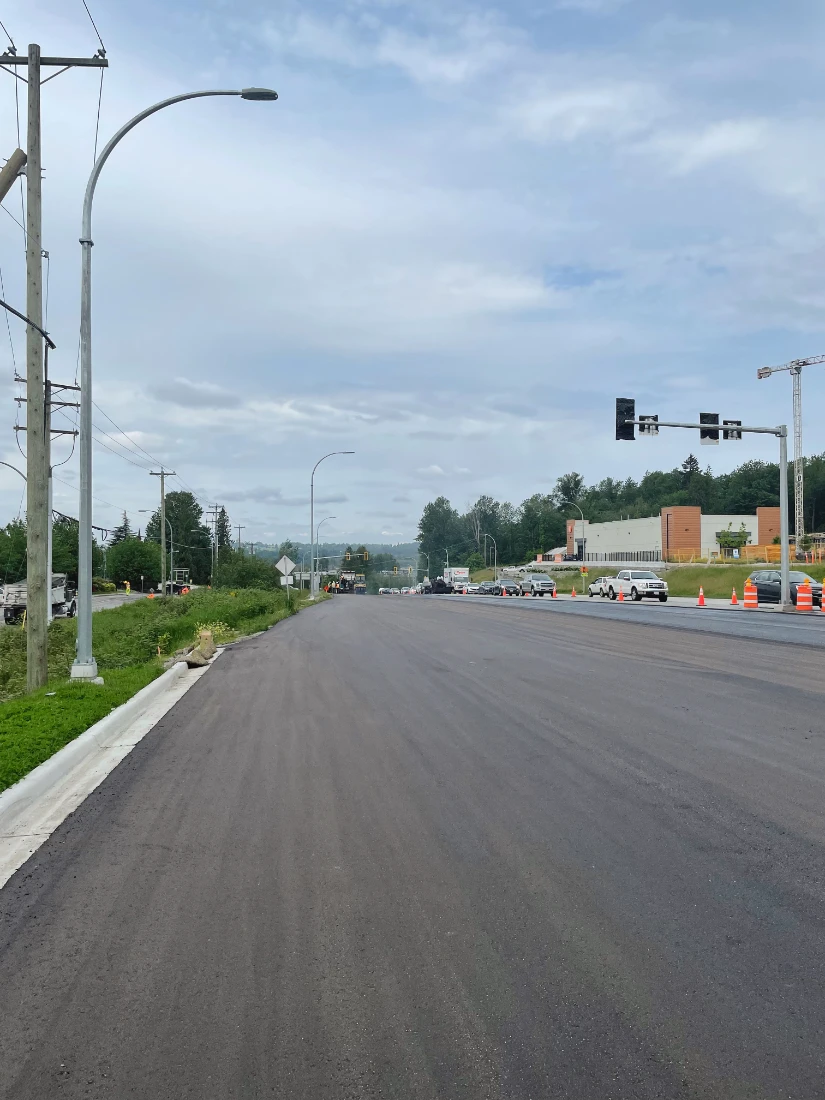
x: 121, y: 532
x: 224, y: 531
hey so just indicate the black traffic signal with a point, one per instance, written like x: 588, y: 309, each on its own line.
x: 707, y: 436
x: 625, y: 410
x: 366, y: 555
x: 730, y: 431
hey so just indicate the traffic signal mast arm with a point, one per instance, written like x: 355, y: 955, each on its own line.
x: 780, y: 430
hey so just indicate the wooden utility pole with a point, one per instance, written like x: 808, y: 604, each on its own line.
x: 163, y: 474
x: 38, y: 594
x: 37, y: 474
x: 241, y: 527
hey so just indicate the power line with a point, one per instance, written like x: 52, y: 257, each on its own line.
x: 134, y: 443
x: 8, y: 325
x: 99, y: 101
x: 97, y: 32
x: 6, y: 33
x: 16, y: 222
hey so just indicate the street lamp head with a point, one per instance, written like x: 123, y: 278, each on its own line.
x: 259, y: 94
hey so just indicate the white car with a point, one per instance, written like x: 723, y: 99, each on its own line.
x: 637, y: 584
x: 598, y: 587
x: 405, y: 591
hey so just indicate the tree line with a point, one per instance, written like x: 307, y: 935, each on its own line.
x: 539, y: 523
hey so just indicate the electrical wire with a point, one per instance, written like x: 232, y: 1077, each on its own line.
x: 97, y: 32
x: 8, y: 325
x: 11, y: 40
x: 135, y: 444
x: 22, y: 224
x: 99, y: 101
x: 16, y: 222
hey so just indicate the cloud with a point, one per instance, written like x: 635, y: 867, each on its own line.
x: 204, y: 395
x: 542, y: 111
x: 728, y: 139
x: 431, y: 471
x: 262, y: 495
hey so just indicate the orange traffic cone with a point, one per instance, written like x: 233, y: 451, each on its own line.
x: 733, y: 600
x: 701, y: 601
x: 621, y: 596
x: 554, y: 594
x: 573, y: 594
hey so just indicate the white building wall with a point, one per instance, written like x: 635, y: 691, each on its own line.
x: 711, y: 525
x: 624, y: 535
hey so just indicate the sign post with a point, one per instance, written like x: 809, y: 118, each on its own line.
x: 285, y: 566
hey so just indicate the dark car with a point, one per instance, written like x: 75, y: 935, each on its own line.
x: 768, y: 585
x: 510, y: 587
x: 488, y: 588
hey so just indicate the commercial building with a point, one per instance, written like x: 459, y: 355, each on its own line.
x: 676, y: 533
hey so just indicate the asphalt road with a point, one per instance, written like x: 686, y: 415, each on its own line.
x: 413, y: 849
x: 792, y: 628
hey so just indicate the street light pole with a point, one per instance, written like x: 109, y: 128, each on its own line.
x: 320, y: 525
x: 313, y: 545
x: 495, y: 549
x: 85, y: 666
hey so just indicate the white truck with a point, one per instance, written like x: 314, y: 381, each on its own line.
x: 636, y: 584
x: 458, y: 577
x: 64, y: 602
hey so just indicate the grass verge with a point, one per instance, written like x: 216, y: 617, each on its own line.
x: 130, y: 643
x: 34, y: 727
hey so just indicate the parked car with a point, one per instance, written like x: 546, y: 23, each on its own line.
x: 488, y: 588
x: 536, y: 584
x: 768, y: 585
x: 598, y: 587
x: 637, y: 584
x: 472, y: 589
x: 512, y: 588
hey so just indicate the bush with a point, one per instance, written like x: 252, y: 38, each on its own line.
x: 245, y: 571
x: 99, y: 584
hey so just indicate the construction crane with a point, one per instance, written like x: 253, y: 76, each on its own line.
x: 795, y: 368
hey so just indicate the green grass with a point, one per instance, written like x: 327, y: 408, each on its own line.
x: 129, y: 645
x: 35, y: 726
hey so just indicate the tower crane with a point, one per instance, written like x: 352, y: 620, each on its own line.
x: 795, y: 368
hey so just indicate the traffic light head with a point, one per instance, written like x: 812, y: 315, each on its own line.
x: 707, y: 436
x: 625, y: 410
x: 395, y: 569
x: 347, y: 555
x: 366, y: 555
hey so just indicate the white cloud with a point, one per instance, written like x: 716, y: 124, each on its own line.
x: 728, y: 139
x: 541, y: 112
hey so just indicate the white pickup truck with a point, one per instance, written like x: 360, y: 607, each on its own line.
x: 636, y: 584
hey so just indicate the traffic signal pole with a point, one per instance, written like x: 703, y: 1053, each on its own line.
x: 650, y: 426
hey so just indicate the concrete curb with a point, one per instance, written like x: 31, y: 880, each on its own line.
x: 33, y: 808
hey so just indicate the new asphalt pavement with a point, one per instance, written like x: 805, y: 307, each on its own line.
x: 422, y: 848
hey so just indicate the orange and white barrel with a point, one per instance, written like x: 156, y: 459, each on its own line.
x: 804, y: 597
x: 751, y: 598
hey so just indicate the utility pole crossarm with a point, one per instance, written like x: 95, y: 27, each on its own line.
x: 96, y: 62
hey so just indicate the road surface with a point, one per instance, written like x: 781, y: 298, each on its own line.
x: 415, y: 849
x: 768, y: 623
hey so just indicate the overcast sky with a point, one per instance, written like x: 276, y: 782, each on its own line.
x: 460, y: 233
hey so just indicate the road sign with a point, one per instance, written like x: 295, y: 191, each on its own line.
x: 302, y: 576
x: 285, y: 565
x: 287, y: 580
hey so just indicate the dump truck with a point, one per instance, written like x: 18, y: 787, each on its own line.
x: 64, y: 601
